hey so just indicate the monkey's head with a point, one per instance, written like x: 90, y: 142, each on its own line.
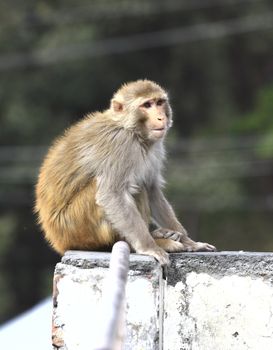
x: 143, y: 106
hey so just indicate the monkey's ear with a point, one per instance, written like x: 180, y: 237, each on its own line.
x: 116, y: 106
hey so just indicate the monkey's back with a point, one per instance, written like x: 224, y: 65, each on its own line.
x: 66, y: 192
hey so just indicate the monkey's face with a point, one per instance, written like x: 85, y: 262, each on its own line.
x: 143, y: 108
x: 155, y: 119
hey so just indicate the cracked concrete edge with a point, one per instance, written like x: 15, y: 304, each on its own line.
x: 219, y: 264
x: 87, y: 260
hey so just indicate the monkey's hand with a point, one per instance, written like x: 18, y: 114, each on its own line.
x: 166, y: 233
x: 158, y: 253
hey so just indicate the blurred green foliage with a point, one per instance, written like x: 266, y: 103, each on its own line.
x: 62, y: 59
x: 260, y: 120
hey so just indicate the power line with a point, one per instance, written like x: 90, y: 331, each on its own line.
x: 225, y: 143
x: 22, y: 154
x: 194, y: 146
x: 25, y: 171
x: 226, y: 168
x: 22, y: 197
x: 19, y: 175
x: 123, y: 9
x: 203, y: 147
x: 250, y: 203
x: 137, y: 42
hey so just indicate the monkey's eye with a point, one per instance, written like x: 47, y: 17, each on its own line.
x: 160, y: 102
x: 147, y: 104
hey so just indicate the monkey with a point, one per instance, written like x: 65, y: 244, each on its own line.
x: 101, y: 181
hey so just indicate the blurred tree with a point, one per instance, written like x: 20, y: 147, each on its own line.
x: 260, y: 121
x: 62, y: 59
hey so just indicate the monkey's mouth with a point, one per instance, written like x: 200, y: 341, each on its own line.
x: 158, y: 132
x: 159, y: 129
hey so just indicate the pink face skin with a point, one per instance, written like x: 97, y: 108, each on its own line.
x: 157, y: 120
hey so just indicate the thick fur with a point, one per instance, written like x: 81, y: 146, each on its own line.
x: 101, y: 181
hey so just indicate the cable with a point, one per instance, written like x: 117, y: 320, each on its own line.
x: 22, y: 197
x: 226, y: 169
x: 151, y: 40
x: 243, y: 203
x: 25, y: 172
x: 123, y: 9
x: 204, y: 146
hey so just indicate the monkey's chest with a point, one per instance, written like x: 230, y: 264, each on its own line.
x: 135, y: 188
x: 141, y: 179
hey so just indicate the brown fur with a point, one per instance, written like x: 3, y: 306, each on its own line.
x: 101, y: 180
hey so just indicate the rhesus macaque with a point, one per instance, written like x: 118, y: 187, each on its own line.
x: 101, y: 181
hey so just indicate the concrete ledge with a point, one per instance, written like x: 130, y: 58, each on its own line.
x: 219, y: 301
x: 208, y: 301
x: 78, y: 283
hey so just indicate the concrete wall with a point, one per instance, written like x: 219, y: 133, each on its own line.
x: 206, y: 301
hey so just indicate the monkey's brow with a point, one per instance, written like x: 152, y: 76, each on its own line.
x: 155, y: 99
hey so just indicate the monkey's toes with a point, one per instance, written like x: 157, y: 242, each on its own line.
x: 204, y: 247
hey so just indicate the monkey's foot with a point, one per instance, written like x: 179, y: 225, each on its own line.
x: 199, y: 247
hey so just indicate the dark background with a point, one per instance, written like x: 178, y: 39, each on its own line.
x: 62, y: 59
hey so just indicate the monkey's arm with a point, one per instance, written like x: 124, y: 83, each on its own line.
x: 122, y: 212
x: 162, y: 212
x: 164, y: 215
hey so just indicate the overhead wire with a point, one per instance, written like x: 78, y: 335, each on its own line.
x: 194, y: 145
x: 229, y: 158
x: 19, y: 167
x: 136, y: 42
x: 117, y: 10
x: 163, y: 38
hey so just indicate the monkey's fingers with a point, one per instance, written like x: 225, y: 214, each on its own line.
x: 166, y: 233
x: 162, y: 257
x: 159, y: 254
x: 173, y: 235
x: 158, y: 233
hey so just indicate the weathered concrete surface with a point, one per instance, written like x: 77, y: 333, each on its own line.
x: 210, y: 301
x: 78, y: 284
x: 219, y: 301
